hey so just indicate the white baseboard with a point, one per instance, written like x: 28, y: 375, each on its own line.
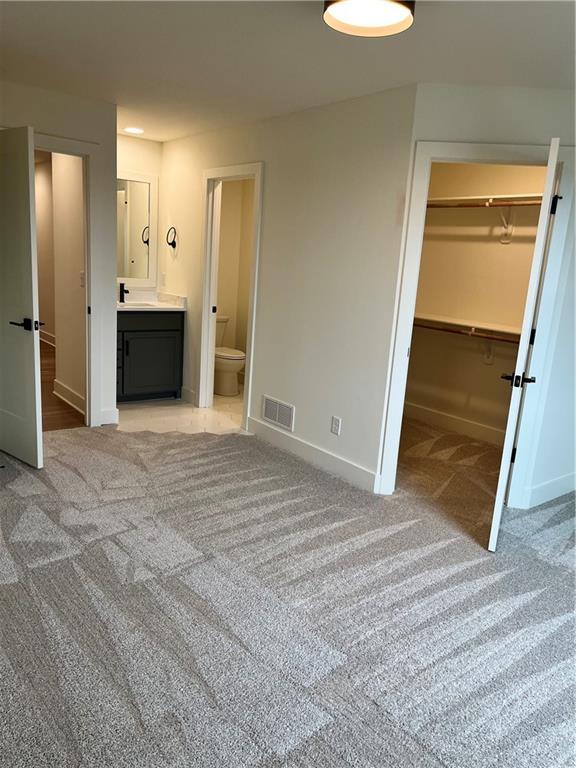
x: 189, y: 396
x: 110, y: 416
x: 70, y: 396
x: 550, y: 490
x: 313, y: 454
x: 48, y: 338
x: 448, y: 421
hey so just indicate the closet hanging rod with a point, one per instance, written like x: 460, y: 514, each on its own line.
x: 492, y: 201
x: 467, y: 330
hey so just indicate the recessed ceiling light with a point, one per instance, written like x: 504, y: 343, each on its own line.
x: 369, y: 18
x: 135, y: 131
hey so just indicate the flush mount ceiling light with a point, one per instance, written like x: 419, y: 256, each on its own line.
x: 369, y: 18
x: 134, y: 131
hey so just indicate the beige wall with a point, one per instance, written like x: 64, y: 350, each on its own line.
x: 69, y: 294
x: 334, y: 192
x: 45, y: 245
x: 229, y: 257
x: 245, y: 263
x: 235, y: 259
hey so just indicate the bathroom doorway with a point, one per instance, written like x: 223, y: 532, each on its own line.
x: 230, y: 287
x: 61, y: 262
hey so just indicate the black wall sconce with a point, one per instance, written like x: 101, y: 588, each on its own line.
x: 171, y: 237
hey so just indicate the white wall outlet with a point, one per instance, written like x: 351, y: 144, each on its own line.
x: 336, y: 425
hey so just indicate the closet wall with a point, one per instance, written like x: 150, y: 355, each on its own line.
x: 468, y: 276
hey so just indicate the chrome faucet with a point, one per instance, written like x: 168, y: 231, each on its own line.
x: 123, y: 292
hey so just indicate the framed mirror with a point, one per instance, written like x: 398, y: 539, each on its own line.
x: 136, y: 229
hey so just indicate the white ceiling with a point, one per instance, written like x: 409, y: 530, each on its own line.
x: 177, y: 68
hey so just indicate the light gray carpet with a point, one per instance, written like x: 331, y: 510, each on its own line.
x: 173, y: 600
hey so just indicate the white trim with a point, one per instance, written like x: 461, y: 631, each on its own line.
x: 362, y: 477
x: 149, y: 282
x: 70, y: 396
x: 474, y: 429
x: 48, y: 338
x: 407, y: 280
x: 212, y: 190
x: 110, y: 416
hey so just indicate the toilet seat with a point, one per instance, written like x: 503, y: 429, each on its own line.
x: 227, y: 353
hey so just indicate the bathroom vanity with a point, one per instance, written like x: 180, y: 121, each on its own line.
x: 150, y: 339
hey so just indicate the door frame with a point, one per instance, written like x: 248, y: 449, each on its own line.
x: 211, y: 182
x: 84, y: 150
x: 409, y: 269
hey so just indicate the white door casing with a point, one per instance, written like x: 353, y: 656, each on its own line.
x: 20, y: 393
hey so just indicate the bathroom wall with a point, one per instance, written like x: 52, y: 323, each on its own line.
x: 467, y: 274
x: 45, y: 245
x: 69, y: 278
x: 245, y: 263
x: 235, y: 259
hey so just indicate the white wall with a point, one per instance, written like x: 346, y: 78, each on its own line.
x: 45, y: 246
x: 334, y: 194
x: 91, y: 125
x: 546, y: 460
x: 69, y: 284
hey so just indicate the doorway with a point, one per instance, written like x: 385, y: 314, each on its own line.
x: 233, y: 211
x: 466, y: 307
x: 61, y: 264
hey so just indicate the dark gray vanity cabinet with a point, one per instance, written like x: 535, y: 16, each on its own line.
x: 149, y: 354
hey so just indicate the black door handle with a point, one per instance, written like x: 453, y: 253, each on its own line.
x: 528, y: 379
x: 26, y: 324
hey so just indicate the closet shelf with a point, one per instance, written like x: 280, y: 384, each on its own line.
x: 486, y: 201
x: 467, y: 329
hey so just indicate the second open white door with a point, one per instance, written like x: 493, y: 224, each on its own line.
x: 521, y: 377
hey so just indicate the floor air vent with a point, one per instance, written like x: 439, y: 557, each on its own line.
x: 278, y: 413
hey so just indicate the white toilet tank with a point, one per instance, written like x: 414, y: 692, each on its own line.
x: 221, y: 321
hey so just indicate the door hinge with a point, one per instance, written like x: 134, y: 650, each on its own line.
x: 532, y: 336
x: 513, y: 457
x: 89, y: 310
x: 554, y: 205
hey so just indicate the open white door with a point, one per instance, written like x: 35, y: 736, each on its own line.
x: 520, y: 377
x: 20, y: 394
x: 210, y: 307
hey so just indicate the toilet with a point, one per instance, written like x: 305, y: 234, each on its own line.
x: 227, y: 363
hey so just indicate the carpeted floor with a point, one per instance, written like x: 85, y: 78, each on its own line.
x: 174, y: 601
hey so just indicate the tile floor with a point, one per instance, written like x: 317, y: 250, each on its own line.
x: 177, y: 416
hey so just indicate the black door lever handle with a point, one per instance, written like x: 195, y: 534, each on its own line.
x: 26, y: 324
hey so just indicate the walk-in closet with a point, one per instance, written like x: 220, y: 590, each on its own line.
x: 481, y: 224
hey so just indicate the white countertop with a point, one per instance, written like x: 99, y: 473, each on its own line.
x: 149, y: 306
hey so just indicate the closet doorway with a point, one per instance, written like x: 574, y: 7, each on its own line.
x: 477, y: 240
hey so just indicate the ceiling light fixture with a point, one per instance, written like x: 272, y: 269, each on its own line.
x: 134, y: 131
x: 369, y: 18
